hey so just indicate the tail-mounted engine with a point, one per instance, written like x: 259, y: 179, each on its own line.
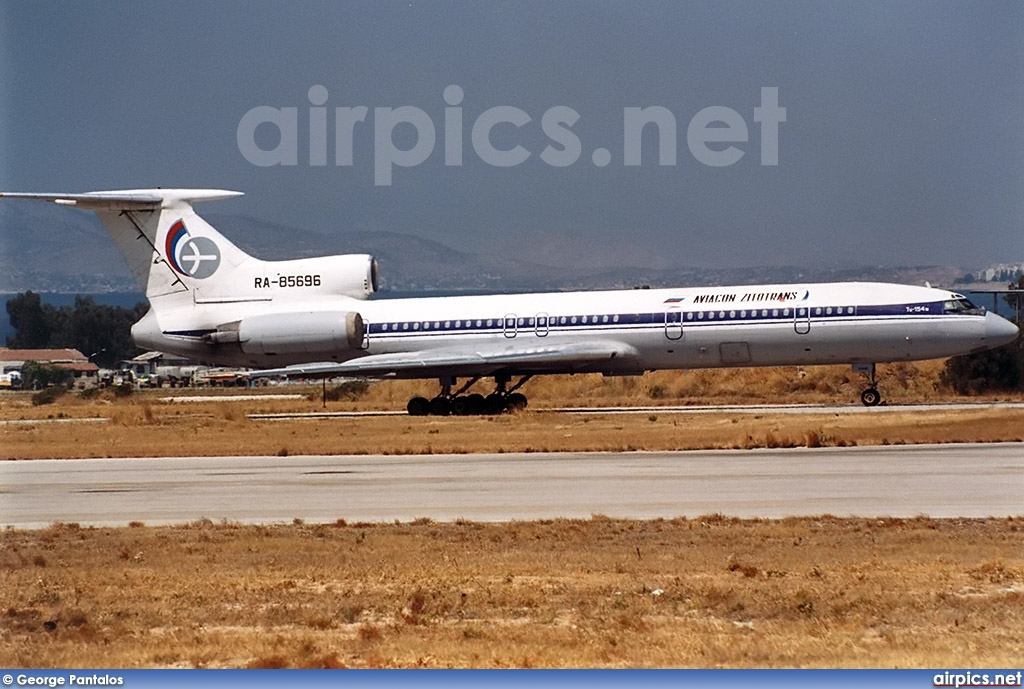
x: 350, y: 275
x: 303, y: 332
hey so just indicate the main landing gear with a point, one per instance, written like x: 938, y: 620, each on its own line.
x: 503, y: 399
x: 870, y: 397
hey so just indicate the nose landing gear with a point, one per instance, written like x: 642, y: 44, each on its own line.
x: 870, y: 397
x: 503, y: 399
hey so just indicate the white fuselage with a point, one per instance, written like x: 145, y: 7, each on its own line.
x: 668, y: 328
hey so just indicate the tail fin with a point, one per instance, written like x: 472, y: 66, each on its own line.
x: 170, y: 249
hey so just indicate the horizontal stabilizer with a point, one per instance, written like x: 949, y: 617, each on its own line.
x: 130, y: 199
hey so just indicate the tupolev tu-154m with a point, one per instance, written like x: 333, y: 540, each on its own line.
x: 317, y: 318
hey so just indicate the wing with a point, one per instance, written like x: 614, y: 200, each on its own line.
x: 488, y: 360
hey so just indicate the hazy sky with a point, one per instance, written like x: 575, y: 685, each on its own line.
x: 903, y: 139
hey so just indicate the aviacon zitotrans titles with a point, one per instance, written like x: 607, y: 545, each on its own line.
x: 316, y: 317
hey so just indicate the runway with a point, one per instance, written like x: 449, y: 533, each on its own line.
x: 935, y: 480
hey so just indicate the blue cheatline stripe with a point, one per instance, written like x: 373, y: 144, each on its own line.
x: 534, y: 679
x: 639, y: 321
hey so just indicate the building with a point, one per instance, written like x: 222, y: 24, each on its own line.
x: 156, y: 369
x: 86, y: 373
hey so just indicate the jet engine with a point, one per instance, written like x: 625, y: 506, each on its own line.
x: 350, y: 275
x: 299, y: 332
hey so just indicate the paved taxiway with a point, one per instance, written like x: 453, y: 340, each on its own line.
x: 937, y: 480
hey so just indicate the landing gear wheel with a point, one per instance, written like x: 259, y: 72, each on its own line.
x: 474, y: 404
x: 440, y: 406
x: 516, y: 402
x: 460, y: 406
x: 494, y: 404
x: 418, y: 406
x: 870, y: 397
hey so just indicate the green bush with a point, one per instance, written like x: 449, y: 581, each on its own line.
x: 996, y: 370
x: 348, y: 391
x: 49, y: 395
x: 39, y: 376
x: 123, y: 390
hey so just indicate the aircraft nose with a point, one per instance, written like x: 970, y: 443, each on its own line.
x: 998, y: 330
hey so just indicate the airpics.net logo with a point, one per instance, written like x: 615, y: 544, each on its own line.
x: 713, y: 135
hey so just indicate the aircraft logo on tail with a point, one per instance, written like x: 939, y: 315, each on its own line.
x: 196, y: 257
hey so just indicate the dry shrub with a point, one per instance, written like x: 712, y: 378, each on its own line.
x: 348, y: 391
x: 231, y: 412
x: 995, y: 572
x: 130, y: 415
x: 273, y: 662
x: 327, y: 661
x: 748, y: 571
x: 369, y: 633
x: 413, y: 612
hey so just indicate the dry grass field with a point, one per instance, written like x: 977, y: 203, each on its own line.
x: 149, y: 424
x: 705, y: 592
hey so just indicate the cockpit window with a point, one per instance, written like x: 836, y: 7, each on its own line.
x: 962, y: 306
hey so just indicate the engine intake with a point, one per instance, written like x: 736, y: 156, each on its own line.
x: 301, y: 332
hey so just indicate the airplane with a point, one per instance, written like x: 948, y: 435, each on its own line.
x: 317, y: 318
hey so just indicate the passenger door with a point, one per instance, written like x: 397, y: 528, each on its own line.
x: 673, y: 323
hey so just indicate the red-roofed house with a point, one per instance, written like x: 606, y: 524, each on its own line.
x: 86, y: 372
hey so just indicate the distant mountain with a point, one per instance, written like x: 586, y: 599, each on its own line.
x: 49, y: 249
x: 46, y: 248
